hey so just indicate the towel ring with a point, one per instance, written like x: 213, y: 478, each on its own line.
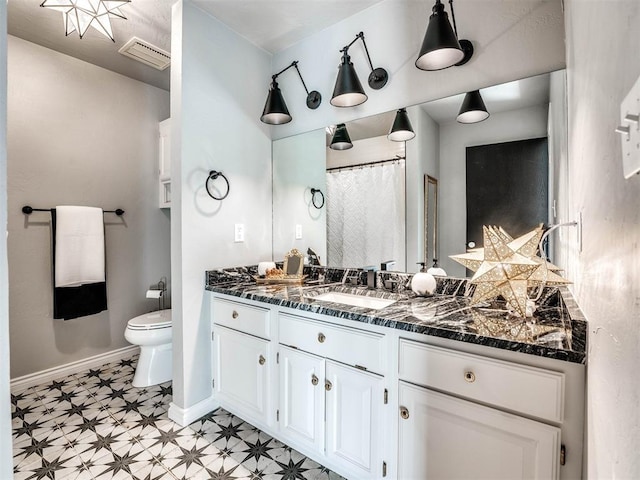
x: 313, y: 197
x: 212, y: 176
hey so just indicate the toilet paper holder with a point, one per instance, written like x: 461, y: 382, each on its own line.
x: 158, y: 291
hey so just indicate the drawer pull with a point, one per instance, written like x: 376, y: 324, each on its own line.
x: 404, y: 412
x: 314, y: 380
x: 321, y: 337
x: 234, y: 314
x: 327, y: 385
x: 469, y: 377
x: 261, y: 360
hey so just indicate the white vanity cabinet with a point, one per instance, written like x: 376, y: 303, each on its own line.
x: 327, y: 406
x: 242, y: 358
x: 447, y: 437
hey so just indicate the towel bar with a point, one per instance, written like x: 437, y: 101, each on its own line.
x: 27, y: 210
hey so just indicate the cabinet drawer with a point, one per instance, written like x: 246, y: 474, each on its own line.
x: 242, y: 317
x: 529, y: 390
x: 346, y: 345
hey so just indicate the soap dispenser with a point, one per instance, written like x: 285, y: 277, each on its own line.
x: 436, y: 270
x: 423, y: 283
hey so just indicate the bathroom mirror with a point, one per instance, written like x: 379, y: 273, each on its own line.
x: 533, y: 107
x: 430, y: 219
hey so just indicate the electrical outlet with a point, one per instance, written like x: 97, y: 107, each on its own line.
x: 239, y: 232
x: 298, y: 232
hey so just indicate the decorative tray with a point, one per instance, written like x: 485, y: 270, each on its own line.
x: 283, y: 280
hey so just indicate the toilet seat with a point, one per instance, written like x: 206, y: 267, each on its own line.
x: 151, y: 321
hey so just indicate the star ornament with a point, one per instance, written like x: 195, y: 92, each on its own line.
x: 79, y: 15
x: 507, y: 267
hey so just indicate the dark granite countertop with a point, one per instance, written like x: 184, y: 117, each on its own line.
x: 557, y: 330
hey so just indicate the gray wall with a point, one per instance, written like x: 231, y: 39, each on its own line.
x: 217, y: 93
x: 6, y: 461
x: 80, y: 135
x: 452, y: 201
x: 602, y: 65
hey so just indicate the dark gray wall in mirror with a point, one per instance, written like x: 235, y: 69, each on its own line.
x: 529, y: 108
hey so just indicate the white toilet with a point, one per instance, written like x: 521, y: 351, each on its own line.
x: 153, y: 332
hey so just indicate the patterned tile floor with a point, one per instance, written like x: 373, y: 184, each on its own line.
x: 96, y: 425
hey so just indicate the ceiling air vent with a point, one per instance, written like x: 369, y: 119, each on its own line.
x: 146, y: 53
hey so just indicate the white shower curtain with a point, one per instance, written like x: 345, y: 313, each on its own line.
x: 366, y: 216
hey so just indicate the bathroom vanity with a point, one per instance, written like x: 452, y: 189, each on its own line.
x: 418, y: 388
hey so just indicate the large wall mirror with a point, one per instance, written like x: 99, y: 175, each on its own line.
x: 407, y: 202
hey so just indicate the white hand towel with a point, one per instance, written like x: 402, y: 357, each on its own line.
x: 79, y: 246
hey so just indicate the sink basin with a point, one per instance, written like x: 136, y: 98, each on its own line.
x: 355, y: 300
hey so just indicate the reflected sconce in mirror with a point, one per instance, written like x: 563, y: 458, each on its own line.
x: 275, y: 109
x: 341, y: 139
x: 348, y: 91
x: 441, y: 48
x: 473, y: 109
x: 401, y: 129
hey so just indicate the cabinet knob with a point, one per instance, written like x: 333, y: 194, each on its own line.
x: 314, y: 380
x: 404, y: 412
x: 234, y: 314
x: 327, y: 385
x: 261, y: 360
x: 469, y: 377
x: 321, y: 337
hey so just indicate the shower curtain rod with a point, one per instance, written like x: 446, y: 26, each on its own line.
x: 362, y: 165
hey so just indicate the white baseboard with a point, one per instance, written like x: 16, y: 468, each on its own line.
x: 186, y: 416
x: 21, y: 383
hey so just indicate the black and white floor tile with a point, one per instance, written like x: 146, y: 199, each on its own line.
x: 95, y: 425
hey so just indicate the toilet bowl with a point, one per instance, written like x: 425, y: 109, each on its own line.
x: 153, y: 332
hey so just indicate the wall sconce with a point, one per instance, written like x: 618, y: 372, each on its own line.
x: 348, y: 91
x: 79, y: 15
x: 473, y: 109
x: 401, y: 130
x: 275, y: 109
x: 341, y: 139
x: 441, y: 47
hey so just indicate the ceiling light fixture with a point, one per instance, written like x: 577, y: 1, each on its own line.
x: 79, y: 15
x: 441, y: 47
x: 341, y: 139
x: 401, y: 130
x: 473, y: 109
x: 348, y: 91
x: 275, y: 109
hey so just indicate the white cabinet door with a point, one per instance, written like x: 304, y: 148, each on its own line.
x: 355, y: 402
x: 442, y: 437
x: 241, y: 373
x: 302, y: 398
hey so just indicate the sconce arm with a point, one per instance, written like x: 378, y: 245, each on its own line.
x: 313, y: 98
x: 378, y: 77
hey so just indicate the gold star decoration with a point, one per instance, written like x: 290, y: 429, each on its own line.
x: 507, y: 267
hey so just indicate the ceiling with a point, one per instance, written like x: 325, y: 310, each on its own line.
x: 271, y: 25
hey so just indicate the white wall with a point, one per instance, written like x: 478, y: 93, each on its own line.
x: 602, y: 65
x: 6, y: 448
x: 299, y: 165
x: 422, y: 159
x: 217, y: 95
x: 454, y: 139
x: 512, y: 39
x: 82, y: 135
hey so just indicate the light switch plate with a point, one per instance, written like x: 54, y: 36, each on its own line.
x: 629, y: 131
x: 298, y: 232
x: 239, y: 232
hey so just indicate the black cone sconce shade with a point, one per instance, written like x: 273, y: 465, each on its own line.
x: 401, y: 130
x: 348, y: 91
x: 275, y: 109
x: 473, y: 109
x: 441, y: 47
x: 341, y: 139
